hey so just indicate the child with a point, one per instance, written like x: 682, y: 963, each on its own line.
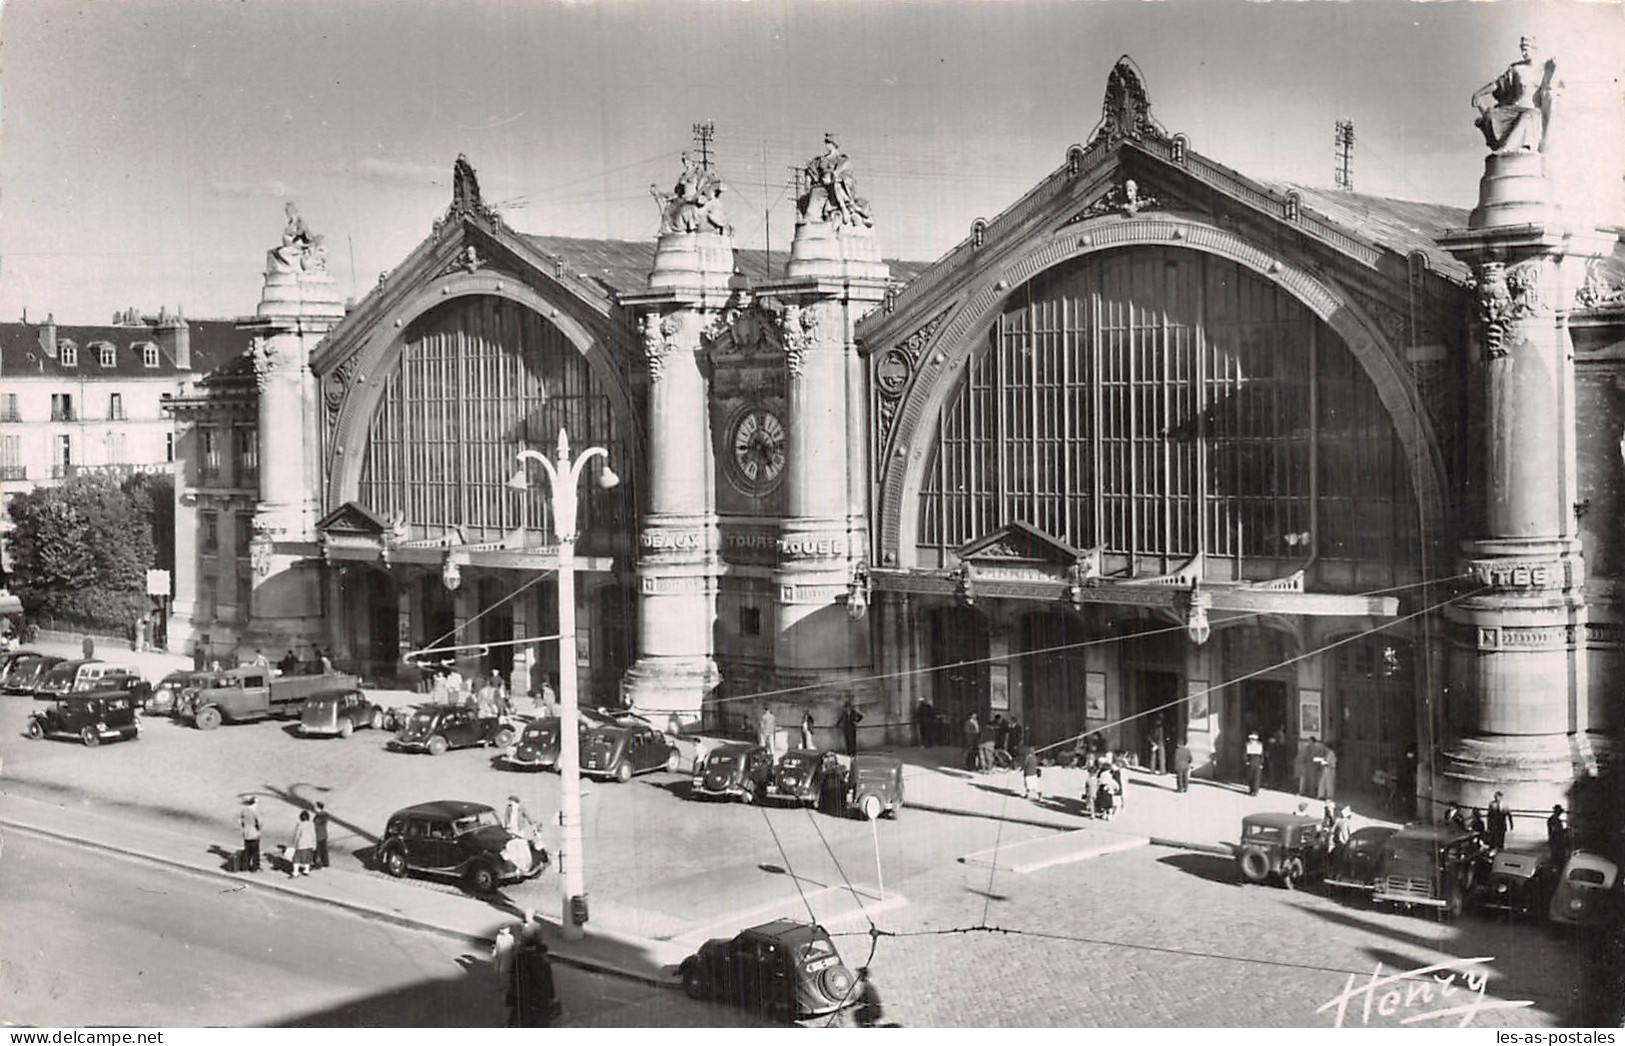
x: 1030, y: 788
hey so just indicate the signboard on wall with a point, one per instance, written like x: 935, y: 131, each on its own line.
x: 1094, y: 695
x: 998, y: 688
x: 1197, y: 711
x: 1309, y: 724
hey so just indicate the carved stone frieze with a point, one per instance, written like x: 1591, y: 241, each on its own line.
x: 1536, y: 637
x: 1598, y: 290
x: 808, y: 327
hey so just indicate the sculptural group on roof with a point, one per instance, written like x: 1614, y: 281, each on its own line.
x: 829, y: 192
x: 1523, y: 96
x: 301, y: 250
x: 694, y: 204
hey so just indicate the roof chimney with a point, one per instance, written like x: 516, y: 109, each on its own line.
x: 47, y: 335
x: 175, y: 336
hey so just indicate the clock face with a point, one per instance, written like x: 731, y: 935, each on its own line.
x: 758, y: 448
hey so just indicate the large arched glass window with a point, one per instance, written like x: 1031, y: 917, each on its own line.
x: 1157, y: 403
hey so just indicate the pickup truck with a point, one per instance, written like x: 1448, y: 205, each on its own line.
x: 242, y: 695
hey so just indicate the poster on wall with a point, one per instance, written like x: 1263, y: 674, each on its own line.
x: 1094, y: 695
x: 998, y: 690
x: 1309, y: 713
x: 1196, y: 705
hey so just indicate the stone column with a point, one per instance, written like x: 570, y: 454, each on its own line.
x: 676, y: 670
x: 1520, y: 635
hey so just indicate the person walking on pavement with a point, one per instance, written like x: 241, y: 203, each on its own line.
x: 767, y: 729
x: 1001, y: 733
x: 1018, y: 738
x: 303, y: 851
x: 868, y: 1011
x: 850, y: 718
x: 1557, y: 837
x: 1497, y: 822
x: 1182, y: 766
x: 1453, y: 817
x: 532, y: 999
x: 1328, y: 772
x: 319, y: 820
x: 1091, y: 786
x: 1030, y: 773
x: 807, y: 730
x: 502, y: 949
x: 1303, y: 767
x: 1159, y: 757
x: 248, y: 819
x: 260, y: 660
x: 1255, y: 763
x: 922, y: 723
x: 1342, y: 830
x: 973, y: 743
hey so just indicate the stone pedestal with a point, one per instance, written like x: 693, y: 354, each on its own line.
x: 1519, y: 673
x: 676, y: 672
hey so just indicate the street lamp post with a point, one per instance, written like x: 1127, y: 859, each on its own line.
x: 563, y: 474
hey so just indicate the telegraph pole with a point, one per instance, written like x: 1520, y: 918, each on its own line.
x: 1343, y: 146
x: 703, y: 135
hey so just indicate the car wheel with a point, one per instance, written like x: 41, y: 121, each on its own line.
x: 377, y: 720
x: 503, y: 737
x: 870, y: 807
x: 1255, y: 866
x: 693, y: 981
x: 35, y: 731
x: 395, y: 864
x: 346, y: 728
x: 482, y: 878
x: 623, y: 771
x: 90, y: 737
x: 1291, y: 874
x: 438, y: 745
x: 673, y: 760
x: 208, y: 718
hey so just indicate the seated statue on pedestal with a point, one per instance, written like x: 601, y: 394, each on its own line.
x: 1522, y: 112
x: 831, y: 187
x: 694, y: 204
x: 301, y: 251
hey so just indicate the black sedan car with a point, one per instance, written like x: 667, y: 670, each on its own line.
x: 783, y: 970
x: 737, y: 770
x: 623, y: 748
x: 537, y: 747
x: 437, y: 729
x: 91, y: 718
x: 24, y: 674
x: 808, y: 777
x: 457, y: 840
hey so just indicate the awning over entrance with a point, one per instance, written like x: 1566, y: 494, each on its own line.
x: 540, y: 557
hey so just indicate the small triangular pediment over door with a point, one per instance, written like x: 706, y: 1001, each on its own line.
x: 1019, y: 550
x: 352, y: 520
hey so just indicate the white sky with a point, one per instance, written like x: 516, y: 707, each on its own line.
x: 146, y: 146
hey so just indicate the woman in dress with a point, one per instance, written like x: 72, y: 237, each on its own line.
x: 304, y: 845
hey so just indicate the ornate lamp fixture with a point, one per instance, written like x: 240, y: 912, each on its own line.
x: 1195, y: 604
x: 857, y: 593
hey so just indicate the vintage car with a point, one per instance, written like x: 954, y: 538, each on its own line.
x: 808, y: 777
x: 457, y: 840
x: 63, y: 677
x: 537, y: 747
x: 736, y: 770
x: 1356, y: 864
x: 1285, y: 848
x: 11, y: 657
x: 24, y: 674
x: 165, y: 698
x: 1435, y: 866
x: 625, y: 746
x: 254, y: 692
x: 1586, y: 893
x: 338, y: 715
x: 92, y: 718
x: 124, y: 680
x: 782, y: 970
x: 874, y: 786
x: 1514, y: 884
x: 437, y: 729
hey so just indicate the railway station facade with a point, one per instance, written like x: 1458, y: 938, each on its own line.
x: 1159, y: 448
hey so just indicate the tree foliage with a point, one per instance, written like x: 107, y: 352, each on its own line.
x: 81, y: 550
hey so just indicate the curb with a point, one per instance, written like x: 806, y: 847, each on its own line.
x: 1155, y: 840
x: 358, y: 908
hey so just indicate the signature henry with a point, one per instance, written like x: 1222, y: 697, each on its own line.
x: 1438, y: 992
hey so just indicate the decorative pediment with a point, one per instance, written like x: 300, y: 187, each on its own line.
x: 1019, y: 544
x: 1126, y: 110
x: 746, y: 332
x: 352, y: 520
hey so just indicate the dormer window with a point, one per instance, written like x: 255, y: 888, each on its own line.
x: 68, y: 353
x: 107, y: 352
x: 149, y: 354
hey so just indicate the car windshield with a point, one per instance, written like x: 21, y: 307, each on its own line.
x: 798, y: 761
x: 816, y: 948
x: 1593, y: 876
x: 1264, y: 832
x: 1400, y: 853
x: 422, y: 718
x: 483, y: 819
x: 542, y: 733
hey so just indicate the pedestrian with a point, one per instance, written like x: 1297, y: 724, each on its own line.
x: 1452, y: 816
x: 1119, y: 769
x: 1255, y: 763
x: 504, y: 703
x: 320, y: 821
x: 546, y: 700
x: 502, y: 949
x: 1557, y: 837
x: 455, y: 684
x: 1182, y: 766
x: 1328, y: 772
x: 303, y: 851
x: 850, y: 718
x: 88, y: 645
x: 1159, y: 757
x: 1001, y: 733
x: 323, y: 661
x: 807, y: 730
x: 248, y: 819
x: 532, y: 1000
x: 1328, y: 817
x: 1342, y: 829
x: 767, y: 730
x: 289, y: 663
x: 260, y: 660
x: 973, y: 742
x: 1275, y: 757
x: 1018, y: 736
x: 922, y: 723
x: 1303, y: 767
x: 514, y: 818
x: 1497, y: 822
x: 868, y: 1011
x: 1476, y: 825
x: 1030, y: 775
x: 1091, y: 786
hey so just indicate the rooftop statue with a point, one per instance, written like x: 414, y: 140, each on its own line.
x: 694, y: 204
x: 1522, y: 113
x: 831, y: 188
x: 301, y: 251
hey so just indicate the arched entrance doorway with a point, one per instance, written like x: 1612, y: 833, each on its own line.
x: 1051, y: 675
x: 368, y: 639
x: 1371, y: 711
x: 958, y: 656
x: 1153, y: 662
x: 1260, y: 701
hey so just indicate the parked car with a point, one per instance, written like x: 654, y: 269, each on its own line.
x: 1435, y: 866
x: 1587, y: 893
x: 1514, y: 884
x: 11, y: 657
x: 92, y: 718
x: 874, y: 785
x: 458, y: 840
x: 809, y: 777
x: 62, y: 678
x: 626, y: 746
x: 338, y: 715
x: 24, y: 674
x: 1284, y: 848
x: 124, y: 680
x: 165, y: 698
x: 537, y: 747
x: 243, y: 695
x: 437, y: 729
x: 783, y: 970
x: 736, y: 770
x: 1356, y: 865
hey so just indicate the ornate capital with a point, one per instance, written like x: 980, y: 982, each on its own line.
x: 1507, y: 294
x: 657, y: 332
x: 267, y: 361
